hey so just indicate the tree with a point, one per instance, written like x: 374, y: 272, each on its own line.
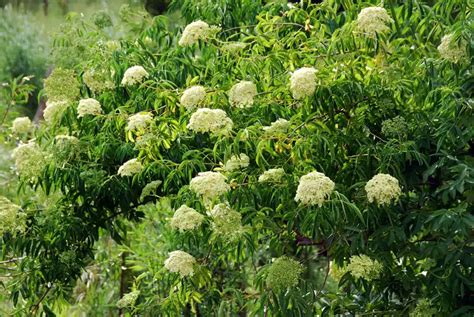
x: 240, y: 167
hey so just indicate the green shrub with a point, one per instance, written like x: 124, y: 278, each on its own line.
x: 335, y: 135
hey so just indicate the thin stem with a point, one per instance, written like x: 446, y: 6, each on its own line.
x: 12, y: 260
x: 35, y: 307
x: 325, y: 277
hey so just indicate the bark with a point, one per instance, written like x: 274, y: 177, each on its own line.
x: 45, y: 7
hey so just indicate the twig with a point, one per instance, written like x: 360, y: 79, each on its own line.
x: 326, y: 277
x: 35, y: 307
x: 123, y: 279
x: 12, y: 260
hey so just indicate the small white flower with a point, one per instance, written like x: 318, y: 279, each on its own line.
x: 134, y: 75
x: 362, y: 266
x: 186, y: 218
x: 97, y: 80
x: 139, y: 121
x: 233, y: 47
x: 273, y: 175
x: 373, y: 20
x: 210, y: 185
x: 241, y: 95
x: 382, y: 189
x: 197, y: 30
x: 314, y: 188
x: 63, y: 139
x: 237, y: 162
x: 226, y: 221
x: 214, y: 121
x: 66, y: 148
x: 180, y: 262
x: 193, y: 97
x: 21, y: 125
x: 88, y: 106
x: 277, y: 128
x: 54, y: 110
x: 128, y: 300
x: 303, y: 83
x: 11, y: 217
x: 130, y: 168
x: 150, y: 189
x: 452, y: 51
x: 29, y: 159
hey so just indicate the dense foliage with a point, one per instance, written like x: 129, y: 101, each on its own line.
x: 239, y: 165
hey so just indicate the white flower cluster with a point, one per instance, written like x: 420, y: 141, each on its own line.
x: 226, y: 221
x: 186, y: 218
x: 303, y: 83
x: 373, y: 20
x: 61, y: 85
x: 277, y: 128
x: 237, y: 162
x: 66, y: 148
x: 241, y: 94
x: 382, y: 189
x: 314, y: 188
x: 273, y: 175
x: 21, y: 125
x: 452, y: 51
x: 65, y: 140
x: 134, y: 75
x: 128, y: 300
x: 209, y: 185
x: 193, y: 32
x: 97, y: 80
x: 180, y: 262
x: 362, y: 266
x: 54, y: 110
x: 88, y: 106
x: 139, y: 122
x: 11, y: 217
x: 214, y: 121
x: 150, y: 189
x: 193, y: 97
x: 233, y: 47
x: 29, y: 159
x: 130, y: 168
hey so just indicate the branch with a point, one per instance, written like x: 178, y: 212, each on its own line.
x: 35, y: 307
x: 12, y: 260
x: 325, y: 277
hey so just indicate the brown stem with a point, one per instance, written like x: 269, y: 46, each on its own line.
x: 35, y: 307
x: 123, y: 280
x: 45, y: 7
x: 325, y: 277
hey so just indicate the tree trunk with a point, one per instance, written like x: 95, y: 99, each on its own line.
x: 45, y: 7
